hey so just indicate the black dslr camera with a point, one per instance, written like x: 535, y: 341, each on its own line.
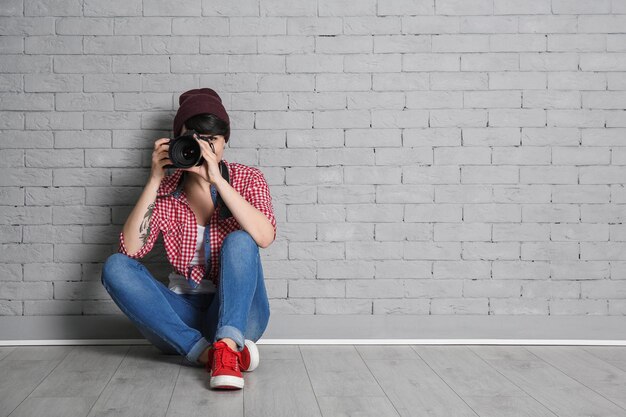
x: 185, y: 152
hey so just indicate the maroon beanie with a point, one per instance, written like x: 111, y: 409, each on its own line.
x: 198, y: 101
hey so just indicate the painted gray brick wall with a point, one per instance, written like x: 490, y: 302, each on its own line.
x: 424, y: 156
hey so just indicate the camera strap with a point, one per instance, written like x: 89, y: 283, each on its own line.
x: 223, y: 208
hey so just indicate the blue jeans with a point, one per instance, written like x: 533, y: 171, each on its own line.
x: 187, y: 324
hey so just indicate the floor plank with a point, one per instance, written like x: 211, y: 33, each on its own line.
x: 142, y: 386
x: 23, y: 369
x: 615, y: 355
x: 411, y: 385
x: 591, y: 371
x: 281, y: 388
x: 54, y: 407
x: 192, y: 396
x: 561, y: 394
x: 339, y: 371
x: 5, y: 350
x: 483, y: 388
x: 361, y: 406
x: 319, y: 381
x: 83, y: 372
x: 76, y: 383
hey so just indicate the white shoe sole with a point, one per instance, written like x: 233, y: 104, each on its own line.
x: 254, y: 355
x: 226, y: 381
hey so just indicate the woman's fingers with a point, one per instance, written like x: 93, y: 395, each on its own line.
x: 161, y: 150
x: 160, y: 141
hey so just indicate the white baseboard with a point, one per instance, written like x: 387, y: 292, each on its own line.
x: 262, y: 341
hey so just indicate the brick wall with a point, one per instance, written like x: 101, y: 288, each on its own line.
x: 424, y: 157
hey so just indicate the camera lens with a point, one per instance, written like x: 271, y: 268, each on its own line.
x: 185, y: 152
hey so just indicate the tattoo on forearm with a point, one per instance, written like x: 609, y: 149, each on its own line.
x: 144, y: 228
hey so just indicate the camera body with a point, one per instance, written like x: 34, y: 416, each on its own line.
x: 184, y: 151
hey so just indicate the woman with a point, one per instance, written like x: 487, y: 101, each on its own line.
x: 213, y: 217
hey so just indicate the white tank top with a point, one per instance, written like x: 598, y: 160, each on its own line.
x: 198, y: 257
x: 179, y: 284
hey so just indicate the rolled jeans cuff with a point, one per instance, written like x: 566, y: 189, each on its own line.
x: 232, y: 333
x: 197, y: 350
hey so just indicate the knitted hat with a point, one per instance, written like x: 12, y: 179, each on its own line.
x: 198, y: 101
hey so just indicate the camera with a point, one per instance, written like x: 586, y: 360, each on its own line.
x: 185, y: 152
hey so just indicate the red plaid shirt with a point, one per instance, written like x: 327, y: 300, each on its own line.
x: 173, y: 216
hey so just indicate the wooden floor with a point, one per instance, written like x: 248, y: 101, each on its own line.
x: 319, y: 380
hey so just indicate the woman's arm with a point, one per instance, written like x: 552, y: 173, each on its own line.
x: 251, y: 219
x: 137, y: 237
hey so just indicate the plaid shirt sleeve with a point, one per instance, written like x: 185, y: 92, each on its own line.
x: 258, y: 194
x: 153, y: 229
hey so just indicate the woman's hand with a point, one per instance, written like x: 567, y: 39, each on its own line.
x: 160, y: 159
x: 209, y: 170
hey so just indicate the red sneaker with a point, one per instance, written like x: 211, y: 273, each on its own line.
x: 249, y: 357
x: 225, y: 370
